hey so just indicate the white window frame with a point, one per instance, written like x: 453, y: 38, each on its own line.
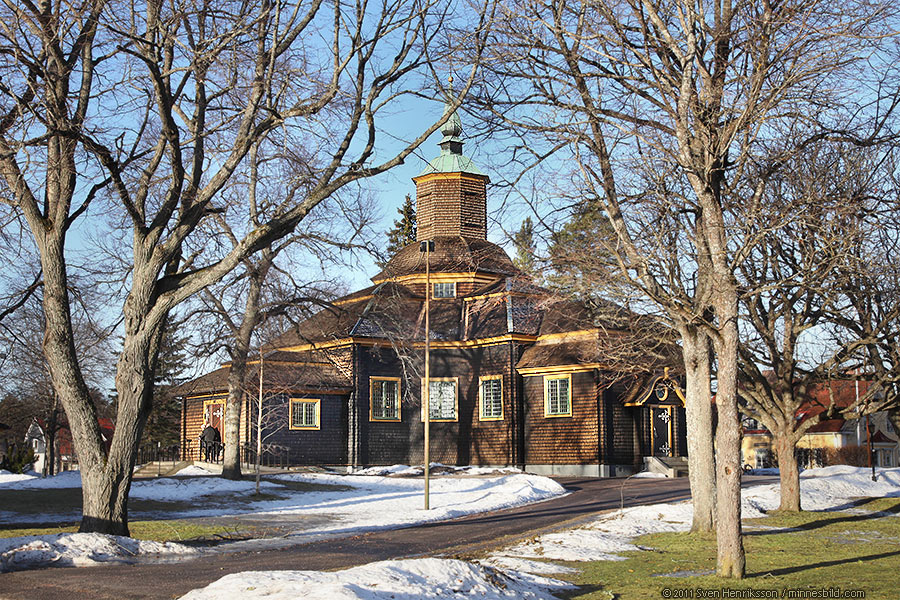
x: 316, y: 414
x: 549, y: 410
x: 448, y: 286
x: 455, y: 382
x: 485, y: 411
x: 376, y: 388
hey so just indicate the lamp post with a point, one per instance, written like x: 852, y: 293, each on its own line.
x: 427, y: 247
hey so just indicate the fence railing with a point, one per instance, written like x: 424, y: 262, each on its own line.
x: 272, y: 455
x: 156, y: 453
x: 213, y: 452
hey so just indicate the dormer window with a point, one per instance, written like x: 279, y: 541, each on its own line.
x: 444, y: 290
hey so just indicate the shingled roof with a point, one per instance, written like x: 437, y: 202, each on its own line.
x: 451, y: 255
x: 283, y: 376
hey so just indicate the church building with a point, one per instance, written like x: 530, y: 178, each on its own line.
x: 519, y: 376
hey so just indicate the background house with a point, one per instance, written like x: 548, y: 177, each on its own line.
x: 835, y: 440
x: 64, y: 456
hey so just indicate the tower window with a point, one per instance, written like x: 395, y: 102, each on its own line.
x: 444, y: 290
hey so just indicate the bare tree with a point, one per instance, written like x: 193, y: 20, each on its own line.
x: 149, y: 112
x: 261, y: 289
x: 687, y: 97
x: 801, y: 284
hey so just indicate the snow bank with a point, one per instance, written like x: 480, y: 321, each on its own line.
x: 604, y: 538
x: 66, y: 479
x: 423, y: 578
x: 827, y: 488
x: 78, y: 549
x: 167, y: 489
x: 378, y: 502
x: 194, y: 470
x: 362, y: 503
x: 6, y: 477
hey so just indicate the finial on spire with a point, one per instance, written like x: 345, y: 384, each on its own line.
x: 452, y: 129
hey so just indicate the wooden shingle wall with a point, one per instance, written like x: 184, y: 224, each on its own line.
x: 468, y: 440
x: 621, y: 430
x: 323, y: 446
x: 451, y: 204
x: 562, y: 440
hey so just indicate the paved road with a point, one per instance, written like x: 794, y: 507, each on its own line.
x: 463, y: 535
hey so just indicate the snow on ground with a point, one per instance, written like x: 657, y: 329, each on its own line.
x: 361, y: 503
x: 828, y: 488
x: 602, y: 539
x: 193, y: 471
x: 66, y: 479
x: 378, y: 502
x: 79, y: 550
x: 8, y: 477
x: 424, y: 578
x: 384, y: 500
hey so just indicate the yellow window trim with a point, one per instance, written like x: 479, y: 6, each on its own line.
x: 372, y: 381
x: 547, y: 380
x: 481, y: 398
x: 293, y: 401
x: 455, y: 381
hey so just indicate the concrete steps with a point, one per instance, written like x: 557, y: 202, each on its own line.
x: 670, y: 466
x: 159, y: 469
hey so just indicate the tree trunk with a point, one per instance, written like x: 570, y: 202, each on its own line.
x: 698, y: 414
x: 105, y: 498
x: 231, y: 467
x: 789, y: 473
x: 237, y: 375
x: 731, y: 561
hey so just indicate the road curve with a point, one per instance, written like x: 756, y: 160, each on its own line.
x: 587, y: 497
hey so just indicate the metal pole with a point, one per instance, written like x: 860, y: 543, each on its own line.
x: 869, y: 449
x: 426, y: 401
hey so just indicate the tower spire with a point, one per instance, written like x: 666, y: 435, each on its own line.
x: 451, y: 143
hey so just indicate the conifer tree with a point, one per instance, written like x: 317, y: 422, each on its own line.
x: 526, y: 250
x: 403, y: 232
x: 580, y: 260
x: 163, y: 424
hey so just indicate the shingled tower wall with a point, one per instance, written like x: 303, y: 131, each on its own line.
x: 451, y: 193
x: 451, y: 204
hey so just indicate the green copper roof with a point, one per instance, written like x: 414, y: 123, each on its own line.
x: 451, y: 159
x: 448, y: 162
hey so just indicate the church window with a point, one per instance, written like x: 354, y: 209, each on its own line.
x: 557, y: 400
x: 304, y: 413
x: 491, y: 394
x: 445, y: 290
x: 385, y: 399
x: 442, y: 400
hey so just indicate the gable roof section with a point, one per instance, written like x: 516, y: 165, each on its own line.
x: 285, y: 376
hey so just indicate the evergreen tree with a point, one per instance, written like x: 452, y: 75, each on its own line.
x: 164, y: 424
x: 525, y: 258
x: 581, y: 263
x: 403, y: 232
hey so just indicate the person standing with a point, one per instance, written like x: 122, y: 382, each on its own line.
x: 209, y: 440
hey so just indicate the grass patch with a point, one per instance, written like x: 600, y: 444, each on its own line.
x: 157, y: 531
x: 786, y: 551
